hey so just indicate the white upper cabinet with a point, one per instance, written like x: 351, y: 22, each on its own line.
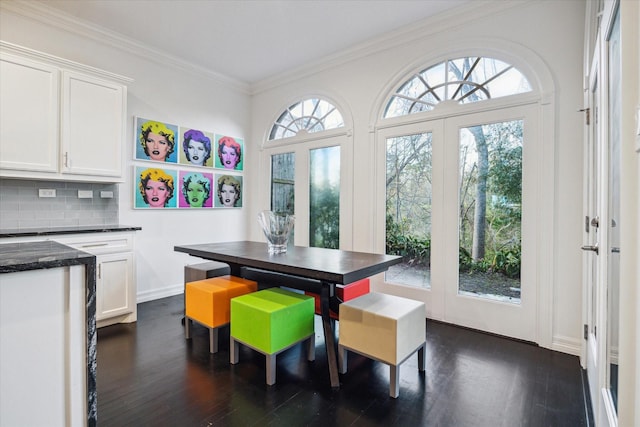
x: 58, y: 119
x: 92, y: 125
x: 28, y: 115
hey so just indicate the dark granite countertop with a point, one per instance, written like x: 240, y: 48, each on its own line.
x: 39, y: 255
x: 49, y: 231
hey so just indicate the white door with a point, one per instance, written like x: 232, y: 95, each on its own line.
x: 591, y: 247
x: 308, y: 179
x: 474, y: 267
x: 410, y: 180
x: 602, y: 219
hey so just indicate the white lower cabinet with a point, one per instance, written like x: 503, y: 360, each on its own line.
x: 115, y: 290
x: 115, y: 274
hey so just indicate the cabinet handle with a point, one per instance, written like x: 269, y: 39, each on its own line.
x: 94, y: 245
x: 66, y: 159
x: 99, y: 271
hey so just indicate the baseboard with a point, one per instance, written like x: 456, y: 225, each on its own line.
x: 155, y: 294
x: 567, y: 345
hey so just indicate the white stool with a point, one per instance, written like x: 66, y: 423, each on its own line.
x: 385, y: 328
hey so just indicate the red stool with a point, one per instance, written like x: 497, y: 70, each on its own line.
x: 345, y: 293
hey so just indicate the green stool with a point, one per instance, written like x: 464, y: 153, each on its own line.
x: 271, y: 321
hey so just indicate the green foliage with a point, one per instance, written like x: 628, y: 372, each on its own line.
x: 508, y: 262
x: 505, y: 262
x: 415, y: 250
x: 324, y: 222
x: 505, y: 179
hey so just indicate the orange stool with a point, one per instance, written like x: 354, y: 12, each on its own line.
x: 345, y: 293
x: 208, y: 302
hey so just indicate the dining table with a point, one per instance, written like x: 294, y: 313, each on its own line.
x: 326, y: 267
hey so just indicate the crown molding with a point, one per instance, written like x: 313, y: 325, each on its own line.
x: 10, y: 48
x: 444, y: 21
x: 54, y: 18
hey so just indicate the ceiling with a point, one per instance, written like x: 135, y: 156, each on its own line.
x: 250, y: 40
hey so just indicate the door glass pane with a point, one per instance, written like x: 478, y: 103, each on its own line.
x: 283, y: 167
x: 490, y: 210
x: 408, y: 209
x: 324, y: 198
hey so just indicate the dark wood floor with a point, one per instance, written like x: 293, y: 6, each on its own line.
x: 149, y: 375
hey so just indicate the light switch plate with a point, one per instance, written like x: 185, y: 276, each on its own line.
x: 85, y: 194
x: 106, y: 194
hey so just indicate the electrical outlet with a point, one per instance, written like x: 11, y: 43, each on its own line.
x: 47, y: 192
x: 85, y: 194
x: 106, y: 194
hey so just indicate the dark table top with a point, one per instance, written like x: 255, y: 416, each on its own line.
x: 331, y: 265
x: 39, y: 255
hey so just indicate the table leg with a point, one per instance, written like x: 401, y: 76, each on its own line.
x: 235, y: 269
x: 329, y: 334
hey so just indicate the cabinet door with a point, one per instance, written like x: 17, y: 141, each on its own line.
x: 28, y: 115
x: 115, y: 294
x: 92, y: 125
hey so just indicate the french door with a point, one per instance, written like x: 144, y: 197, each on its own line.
x: 603, y: 227
x: 309, y: 180
x: 593, y: 201
x: 462, y: 197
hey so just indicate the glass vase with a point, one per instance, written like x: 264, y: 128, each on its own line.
x: 276, y: 228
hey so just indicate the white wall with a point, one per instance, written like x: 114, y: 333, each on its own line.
x: 551, y: 30
x: 164, y: 92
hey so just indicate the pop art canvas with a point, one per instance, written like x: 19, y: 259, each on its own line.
x: 155, y: 188
x: 195, y: 190
x: 196, y: 147
x: 156, y: 141
x: 228, y: 191
x: 230, y: 153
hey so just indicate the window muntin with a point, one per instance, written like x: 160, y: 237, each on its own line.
x: 462, y: 80
x: 306, y: 116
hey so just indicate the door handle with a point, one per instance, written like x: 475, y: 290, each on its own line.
x: 593, y: 248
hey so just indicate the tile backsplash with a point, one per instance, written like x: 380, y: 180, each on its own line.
x: 21, y: 206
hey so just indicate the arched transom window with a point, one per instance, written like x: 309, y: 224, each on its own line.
x: 462, y: 80
x: 306, y: 116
